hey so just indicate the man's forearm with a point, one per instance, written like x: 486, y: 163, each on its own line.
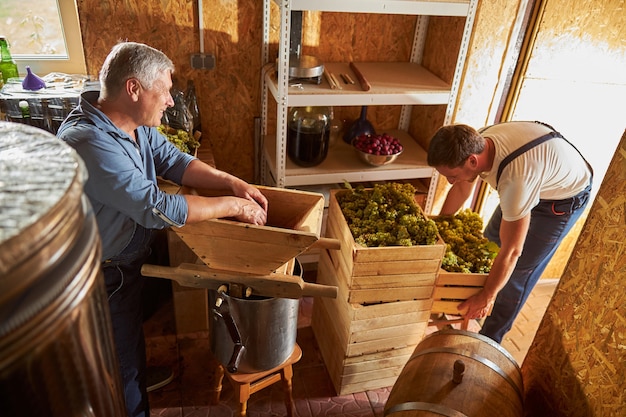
x: 457, y: 196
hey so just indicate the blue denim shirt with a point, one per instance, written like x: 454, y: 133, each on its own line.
x: 122, y: 175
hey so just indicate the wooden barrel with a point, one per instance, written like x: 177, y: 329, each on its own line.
x: 457, y: 373
x: 56, y: 346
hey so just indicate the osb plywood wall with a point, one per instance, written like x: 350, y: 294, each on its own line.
x: 494, y: 27
x: 576, y: 365
x: 229, y: 95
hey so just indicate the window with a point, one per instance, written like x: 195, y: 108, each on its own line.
x: 43, y: 34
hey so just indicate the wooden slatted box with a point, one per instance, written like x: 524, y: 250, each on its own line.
x: 365, y: 346
x: 374, y: 274
x: 382, y: 308
x: 452, y: 288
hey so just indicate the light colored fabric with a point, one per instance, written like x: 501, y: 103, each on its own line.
x: 553, y: 170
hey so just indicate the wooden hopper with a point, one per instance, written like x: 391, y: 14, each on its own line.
x: 294, y: 225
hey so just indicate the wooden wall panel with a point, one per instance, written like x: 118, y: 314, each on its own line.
x: 360, y: 37
x: 577, y: 362
x: 228, y: 95
x: 494, y: 25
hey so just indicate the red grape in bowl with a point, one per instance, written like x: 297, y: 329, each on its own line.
x: 377, y: 150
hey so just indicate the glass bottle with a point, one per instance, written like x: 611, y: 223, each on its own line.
x: 336, y: 127
x: 308, y: 135
x: 8, y: 67
x: 192, y: 104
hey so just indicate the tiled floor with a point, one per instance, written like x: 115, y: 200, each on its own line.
x: 190, y: 393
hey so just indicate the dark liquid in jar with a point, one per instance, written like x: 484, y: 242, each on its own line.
x: 307, y: 149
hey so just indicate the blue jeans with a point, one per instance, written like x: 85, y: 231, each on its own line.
x: 550, y: 221
x: 124, y: 285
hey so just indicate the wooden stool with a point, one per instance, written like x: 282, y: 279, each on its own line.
x: 247, y: 384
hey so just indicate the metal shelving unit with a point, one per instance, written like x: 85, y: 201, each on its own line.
x: 418, y: 86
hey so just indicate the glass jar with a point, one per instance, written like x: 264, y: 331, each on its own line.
x: 308, y: 134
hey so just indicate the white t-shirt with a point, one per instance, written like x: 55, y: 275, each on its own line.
x: 553, y: 170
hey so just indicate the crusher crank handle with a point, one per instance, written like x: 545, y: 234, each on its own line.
x: 223, y: 311
x: 318, y: 290
x: 272, y: 285
x: 326, y: 243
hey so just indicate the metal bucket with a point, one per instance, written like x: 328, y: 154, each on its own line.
x: 56, y: 348
x: 252, y: 334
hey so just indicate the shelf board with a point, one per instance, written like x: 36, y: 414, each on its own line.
x: 407, y: 7
x: 392, y: 83
x: 343, y: 164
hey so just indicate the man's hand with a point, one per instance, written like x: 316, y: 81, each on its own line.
x: 242, y: 189
x: 477, y: 306
x: 252, y: 212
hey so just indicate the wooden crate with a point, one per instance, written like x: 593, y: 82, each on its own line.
x: 452, y: 288
x: 294, y: 224
x: 382, y: 309
x: 374, y: 274
x: 365, y: 346
x: 350, y: 374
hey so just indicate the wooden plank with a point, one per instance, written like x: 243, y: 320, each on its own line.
x: 380, y: 345
x: 457, y: 278
x: 455, y: 293
x: 390, y: 294
x: 354, y: 323
x: 369, y: 377
x: 330, y: 345
x: 335, y: 229
x: 374, y: 361
x: 385, y: 333
x: 334, y: 320
x: 388, y: 267
x: 362, y: 312
x: 191, y: 310
x: 446, y: 307
x: 397, y: 281
x: 384, y: 288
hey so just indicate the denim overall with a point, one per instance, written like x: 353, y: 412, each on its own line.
x: 550, y: 221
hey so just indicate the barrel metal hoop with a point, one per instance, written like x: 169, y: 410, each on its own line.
x: 422, y: 406
x: 471, y: 355
x: 486, y: 340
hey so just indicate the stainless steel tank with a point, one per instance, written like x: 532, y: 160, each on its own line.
x: 251, y: 334
x: 56, y: 346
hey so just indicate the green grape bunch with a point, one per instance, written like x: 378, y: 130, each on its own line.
x: 386, y: 215
x: 180, y: 138
x: 467, y: 250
